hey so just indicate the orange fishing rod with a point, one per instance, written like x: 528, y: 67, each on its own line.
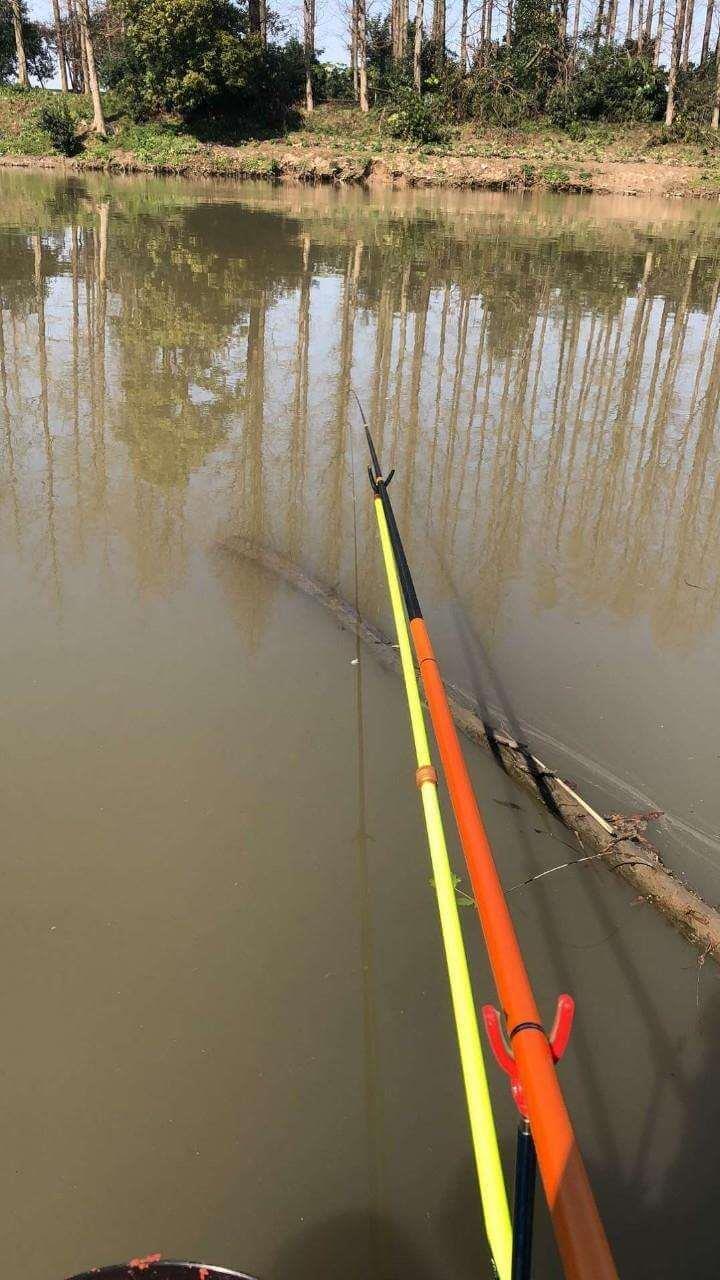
x: 528, y: 1054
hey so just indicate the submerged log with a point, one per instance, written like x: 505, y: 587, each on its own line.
x: 632, y: 858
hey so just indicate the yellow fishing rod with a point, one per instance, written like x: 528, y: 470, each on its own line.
x: 482, y: 1124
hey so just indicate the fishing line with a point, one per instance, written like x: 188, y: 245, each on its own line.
x: 373, y: 1095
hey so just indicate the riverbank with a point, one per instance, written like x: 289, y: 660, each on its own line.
x: 337, y: 145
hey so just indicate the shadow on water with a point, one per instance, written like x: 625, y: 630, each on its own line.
x: 669, y: 1218
x: 654, y: 1200
x: 355, y: 1245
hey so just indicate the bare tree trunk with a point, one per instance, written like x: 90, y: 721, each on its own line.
x: 254, y: 17
x: 83, y: 58
x: 599, y: 24
x: 263, y: 23
x: 73, y: 53
x: 395, y: 27
x: 438, y: 33
x: 60, y: 46
x: 631, y: 15
x: 93, y: 86
x: 678, y: 29
x: 361, y: 39
x: 23, y: 77
x: 716, y: 109
x: 659, y: 33
x: 398, y: 24
x: 706, y: 33
x: 576, y: 28
x: 488, y: 28
x: 612, y: 20
x: 644, y: 31
x: 404, y: 19
x: 353, y: 49
x: 417, y: 48
x: 309, y: 47
x: 508, y: 29
x: 463, y: 36
x: 689, y: 14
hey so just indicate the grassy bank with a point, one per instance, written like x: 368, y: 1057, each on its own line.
x: 339, y: 145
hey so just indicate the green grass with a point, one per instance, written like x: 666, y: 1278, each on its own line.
x: 156, y: 144
x: 20, y: 133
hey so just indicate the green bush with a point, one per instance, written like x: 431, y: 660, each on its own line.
x: 696, y: 94
x: 614, y: 85
x: 194, y: 58
x: 332, y: 83
x: 156, y: 144
x: 57, y: 121
x: 685, y: 129
x: 416, y: 119
x: 493, y: 99
x: 562, y: 107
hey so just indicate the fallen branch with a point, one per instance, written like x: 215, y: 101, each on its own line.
x: 694, y: 918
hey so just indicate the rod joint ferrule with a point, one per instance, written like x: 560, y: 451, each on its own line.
x: 426, y: 773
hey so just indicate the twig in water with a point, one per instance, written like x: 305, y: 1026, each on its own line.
x: 561, y: 866
x: 576, y: 862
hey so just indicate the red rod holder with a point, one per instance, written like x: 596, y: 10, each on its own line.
x: 558, y: 1040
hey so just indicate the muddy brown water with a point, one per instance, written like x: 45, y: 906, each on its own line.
x: 226, y: 1028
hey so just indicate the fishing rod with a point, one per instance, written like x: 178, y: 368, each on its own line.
x: 482, y: 1125
x: 525, y: 1051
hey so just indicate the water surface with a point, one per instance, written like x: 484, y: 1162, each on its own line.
x: 226, y: 1025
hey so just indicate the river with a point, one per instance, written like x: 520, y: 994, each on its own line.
x: 226, y: 1027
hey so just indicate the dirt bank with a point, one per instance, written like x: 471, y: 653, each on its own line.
x: 282, y: 160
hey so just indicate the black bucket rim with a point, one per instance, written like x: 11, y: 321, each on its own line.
x: 148, y: 1269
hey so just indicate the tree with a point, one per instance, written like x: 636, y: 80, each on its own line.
x: 73, y: 49
x: 309, y: 49
x: 438, y: 33
x: 689, y: 14
x: 196, y: 58
x: 257, y: 19
x: 463, y: 36
x: 599, y: 23
x: 361, y: 53
x: 644, y: 30
x: 536, y: 56
x: 612, y: 19
x: 417, y: 46
x: 353, y: 49
x: 716, y: 108
x: 60, y: 46
x: 22, y: 68
x: 678, y: 30
x: 92, y: 79
x: 659, y: 33
x: 38, y: 59
x: 706, y: 33
x: 399, y: 24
